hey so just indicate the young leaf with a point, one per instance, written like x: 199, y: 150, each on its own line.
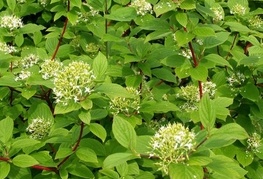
x: 250, y: 91
x: 41, y: 110
x: 22, y: 143
x: 122, y: 14
x: 218, y: 60
x: 87, y: 155
x: 98, y: 130
x: 100, y: 65
x: 199, y: 73
x: 6, y: 129
x: 5, y: 169
x: 124, y: 132
x: 63, y: 109
x: 184, y: 171
x: 24, y: 161
x: 117, y: 159
x: 204, y: 31
x: 113, y: 90
x: 181, y: 17
x: 207, y: 112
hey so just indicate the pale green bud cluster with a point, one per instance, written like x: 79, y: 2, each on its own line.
x: 39, y: 128
x: 172, y: 144
x: 23, y: 75
x: 256, y: 22
x: 142, y: 6
x: 238, y: 9
x: 236, y: 79
x: 127, y: 106
x: 74, y: 82
x: 7, y: 49
x: 10, y: 22
x: 254, y: 142
x: 218, y: 13
x: 21, y: 1
x: 29, y: 60
x: 92, y: 48
x: 191, y: 95
x: 50, y: 68
x: 43, y: 2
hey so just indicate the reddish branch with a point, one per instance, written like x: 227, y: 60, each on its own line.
x: 75, y: 147
x: 39, y: 167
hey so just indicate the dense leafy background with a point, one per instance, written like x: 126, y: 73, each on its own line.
x: 159, y: 52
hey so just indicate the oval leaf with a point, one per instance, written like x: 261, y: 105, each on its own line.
x: 24, y: 160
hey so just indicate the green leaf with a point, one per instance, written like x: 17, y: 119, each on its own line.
x: 72, y: 16
x: 218, y: 39
x: 122, y: 169
x: 63, y: 109
x: 76, y: 3
x: 31, y: 28
x: 80, y: 170
x: 98, y: 130
x: 100, y: 65
x: 183, y: 37
x: 19, y: 40
x: 158, y: 107
x: 220, y: 104
x: 28, y: 92
x: 22, y: 143
x: 224, y: 167
x: 6, y: 129
x: 207, y: 112
x: 24, y: 161
x: 113, y: 90
x: 184, y: 171
x: 157, y: 35
x: 164, y: 74
x: 245, y: 158
x: 199, y: 160
x: 124, y: 132
x: 87, y: 155
x: 85, y: 117
x: 225, y: 136
x: 86, y: 104
x: 199, y: 73
x: 204, y: 31
x: 188, y: 4
x: 250, y: 91
x: 162, y: 7
x: 11, y: 4
x: 182, y: 18
x: 63, y: 152
x: 41, y: 110
x: 117, y: 159
x: 110, y: 173
x: 122, y: 14
x: 143, y: 144
x: 5, y: 169
x: 218, y: 60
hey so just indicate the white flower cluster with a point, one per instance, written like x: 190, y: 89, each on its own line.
x: 191, y: 95
x: 172, y: 144
x: 218, y: 12
x: 50, y: 68
x: 74, y: 82
x: 186, y: 53
x: 21, y: 1
x: 29, y: 60
x: 7, y: 49
x: 11, y: 22
x: 236, y: 79
x: 39, y: 128
x: 142, y: 7
x: 238, y: 9
x: 254, y: 142
x: 127, y: 106
x: 43, y: 2
x: 256, y: 22
x: 23, y: 75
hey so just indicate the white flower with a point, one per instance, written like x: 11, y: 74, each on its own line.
x: 74, y: 82
x: 254, y: 142
x: 238, y: 9
x: 256, y: 22
x: 50, y: 68
x: 218, y: 12
x: 142, y: 7
x: 7, y: 49
x: 23, y: 75
x: 172, y: 144
x: 29, y: 60
x: 39, y: 128
x: 11, y: 22
x: 186, y: 53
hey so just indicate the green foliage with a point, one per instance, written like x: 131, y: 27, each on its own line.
x: 85, y: 86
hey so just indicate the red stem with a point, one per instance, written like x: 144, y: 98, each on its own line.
x: 6, y: 159
x: 62, y: 34
x: 75, y: 147
x: 39, y: 167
